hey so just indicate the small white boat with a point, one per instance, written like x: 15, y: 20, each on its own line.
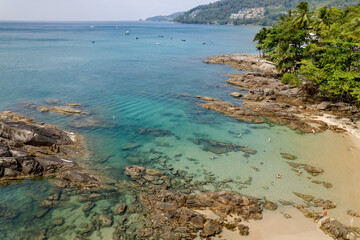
x: 127, y: 33
x: 91, y: 26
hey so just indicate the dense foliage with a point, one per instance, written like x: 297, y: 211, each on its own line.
x: 219, y: 12
x: 321, y: 47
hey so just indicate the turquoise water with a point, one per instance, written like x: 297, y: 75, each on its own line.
x: 145, y: 84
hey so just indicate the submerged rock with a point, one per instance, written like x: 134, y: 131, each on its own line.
x: 220, y: 147
x: 120, y: 209
x: 59, y: 221
x: 306, y: 197
x: 156, y: 132
x: 313, y: 170
x: 270, y: 205
x: 105, y: 220
x: 288, y: 156
x: 129, y: 146
x: 232, y: 111
x: 88, y: 206
x: 61, y: 110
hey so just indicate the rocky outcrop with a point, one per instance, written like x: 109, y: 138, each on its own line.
x: 235, y: 94
x: 178, y: 211
x: 30, y: 149
x: 61, y: 110
x: 244, y: 62
x: 337, y: 230
x: 176, y: 215
x: 275, y: 101
x: 232, y: 111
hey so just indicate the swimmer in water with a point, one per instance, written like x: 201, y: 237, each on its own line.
x: 240, y: 135
x: 279, y: 175
x: 299, y: 173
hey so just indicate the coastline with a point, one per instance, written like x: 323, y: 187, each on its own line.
x: 342, y: 144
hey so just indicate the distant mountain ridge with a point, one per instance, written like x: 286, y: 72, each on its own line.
x: 262, y: 12
x: 168, y: 18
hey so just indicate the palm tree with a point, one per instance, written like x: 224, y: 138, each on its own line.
x: 301, y: 19
x: 322, y: 19
x: 260, y: 37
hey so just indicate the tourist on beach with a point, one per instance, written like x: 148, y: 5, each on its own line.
x: 321, y: 215
x: 279, y: 175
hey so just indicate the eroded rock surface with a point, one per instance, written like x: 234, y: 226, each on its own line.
x: 30, y: 149
x: 298, y: 108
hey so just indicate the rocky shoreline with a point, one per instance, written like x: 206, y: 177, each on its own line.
x: 30, y: 149
x: 270, y: 99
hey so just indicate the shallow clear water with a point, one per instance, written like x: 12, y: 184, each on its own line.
x: 142, y: 82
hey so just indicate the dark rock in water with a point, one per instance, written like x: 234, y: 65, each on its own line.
x: 78, y: 177
x: 325, y: 184
x: 105, y: 220
x: 88, y: 230
x: 220, y: 147
x: 120, y: 209
x: 288, y: 156
x: 88, y: 206
x: 41, y: 213
x: 211, y: 228
x: 155, y: 132
x: 285, y: 202
x: 8, y: 213
x: 270, y: 205
x: 306, y: 197
x: 325, y: 203
x: 129, y: 146
x: 353, y: 213
x: 59, y: 221
x: 313, y: 170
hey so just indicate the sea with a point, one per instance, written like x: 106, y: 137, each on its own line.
x: 137, y: 91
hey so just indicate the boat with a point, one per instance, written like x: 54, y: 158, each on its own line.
x: 127, y: 33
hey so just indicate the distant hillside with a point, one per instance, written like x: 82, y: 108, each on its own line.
x: 263, y: 12
x: 168, y: 18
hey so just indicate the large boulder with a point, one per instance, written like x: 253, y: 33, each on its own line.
x: 211, y: 228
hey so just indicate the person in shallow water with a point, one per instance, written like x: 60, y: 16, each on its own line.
x: 279, y: 175
x: 321, y: 215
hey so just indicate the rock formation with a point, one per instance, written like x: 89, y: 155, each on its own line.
x: 30, y: 149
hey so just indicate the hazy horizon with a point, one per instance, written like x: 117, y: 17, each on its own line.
x: 91, y: 10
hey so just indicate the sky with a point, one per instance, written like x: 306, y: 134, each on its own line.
x: 91, y: 10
